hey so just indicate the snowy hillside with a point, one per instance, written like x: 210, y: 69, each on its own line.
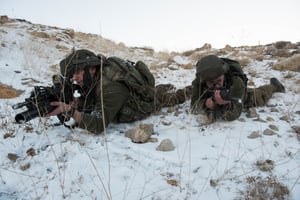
x: 254, y: 157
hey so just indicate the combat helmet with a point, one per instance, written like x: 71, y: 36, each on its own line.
x: 210, y: 67
x: 78, y: 60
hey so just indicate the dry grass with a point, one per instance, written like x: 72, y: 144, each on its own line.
x: 292, y: 63
x: 259, y: 188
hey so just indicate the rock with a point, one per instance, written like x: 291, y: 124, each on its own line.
x: 166, y: 122
x: 4, y: 19
x: 172, y: 182
x: 259, y: 120
x: 165, y: 145
x: 285, y: 118
x: 283, y: 44
x: 241, y: 120
x: 269, y: 132
x: 13, y: 157
x: 273, y: 127
x: 153, y: 140
x: 25, y: 166
x: 140, y: 134
x: 274, y: 110
x: 253, y: 135
x: 213, y: 182
x: 270, y: 119
x: 31, y: 152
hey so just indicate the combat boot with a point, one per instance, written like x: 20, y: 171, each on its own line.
x: 278, y: 86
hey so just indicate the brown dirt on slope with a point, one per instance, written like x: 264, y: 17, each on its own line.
x: 7, y: 92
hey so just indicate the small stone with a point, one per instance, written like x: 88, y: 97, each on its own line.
x: 274, y: 110
x: 166, y: 122
x: 172, y: 182
x: 153, y: 140
x: 31, y: 152
x: 254, y: 134
x: 273, y: 127
x: 4, y: 19
x: 213, y: 182
x: 13, y: 157
x: 165, y: 145
x: 140, y: 134
x: 25, y: 166
x: 269, y: 132
x: 259, y: 120
x: 241, y: 119
x: 285, y: 118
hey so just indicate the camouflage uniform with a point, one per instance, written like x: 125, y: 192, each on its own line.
x: 120, y: 104
x: 211, y: 67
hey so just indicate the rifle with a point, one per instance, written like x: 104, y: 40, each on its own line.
x: 224, y: 94
x: 38, y: 103
x: 217, y: 113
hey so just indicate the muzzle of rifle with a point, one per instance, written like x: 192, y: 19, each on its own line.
x: 26, y: 116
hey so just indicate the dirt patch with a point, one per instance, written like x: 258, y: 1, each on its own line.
x: 7, y: 92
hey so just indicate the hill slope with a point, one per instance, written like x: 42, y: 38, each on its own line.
x: 248, y: 158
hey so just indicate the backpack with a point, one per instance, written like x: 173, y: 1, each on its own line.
x: 235, y: 69
x: 136, y: 76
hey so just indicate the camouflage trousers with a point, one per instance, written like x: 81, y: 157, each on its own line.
x: 257, y: 97
x: 165, y: 96
x: 168, y: 96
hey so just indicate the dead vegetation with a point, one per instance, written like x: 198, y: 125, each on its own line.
x: 291, y: 63
x: 259, y: 188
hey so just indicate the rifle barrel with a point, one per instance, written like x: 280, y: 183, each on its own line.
x: 26, y: 116
x: 31, y: 114
x: 19, y: 105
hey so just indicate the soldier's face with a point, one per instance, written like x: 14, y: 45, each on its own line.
x: 218, y: 82
x: 78, y: 77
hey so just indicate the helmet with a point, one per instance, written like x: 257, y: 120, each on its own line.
x: 210, y: 67
x: 78, y: 60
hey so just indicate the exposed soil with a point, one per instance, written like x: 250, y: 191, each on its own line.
x: 7, y: 92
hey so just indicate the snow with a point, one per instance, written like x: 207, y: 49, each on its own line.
x: 74, y: 164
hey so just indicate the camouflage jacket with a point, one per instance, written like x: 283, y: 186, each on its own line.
x: 228, y: 112
x: 119, y: 105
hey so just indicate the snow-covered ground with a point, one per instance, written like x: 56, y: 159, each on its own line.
x: 210, y: 161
